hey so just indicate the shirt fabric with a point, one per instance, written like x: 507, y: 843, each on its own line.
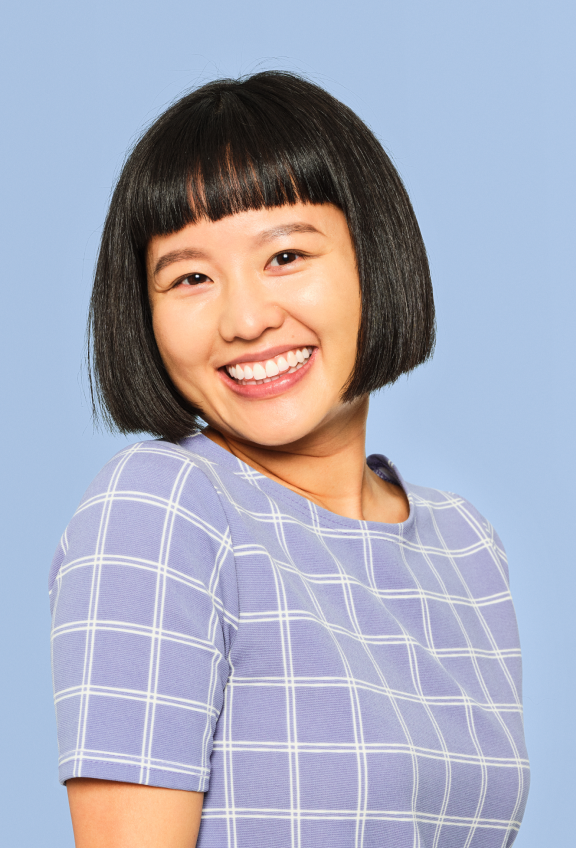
x: 325, y: 681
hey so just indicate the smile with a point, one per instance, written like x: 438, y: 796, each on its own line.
x: 269, y: 370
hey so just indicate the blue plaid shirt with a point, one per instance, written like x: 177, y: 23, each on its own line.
x: 325, y: 681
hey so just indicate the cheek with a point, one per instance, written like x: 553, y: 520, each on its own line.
x: 338, y: 310
x: 179, y: 338
x: 331, y: 297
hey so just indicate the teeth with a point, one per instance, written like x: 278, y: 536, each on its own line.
x: 269, y: 371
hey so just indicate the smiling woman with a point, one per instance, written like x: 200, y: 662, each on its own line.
x: 261, y: 636
x: 265, y: 143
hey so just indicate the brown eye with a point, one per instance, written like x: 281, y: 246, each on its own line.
x: 194, y: 280
x: 283, y: 259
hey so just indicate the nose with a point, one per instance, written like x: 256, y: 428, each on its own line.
x: 248, y: 309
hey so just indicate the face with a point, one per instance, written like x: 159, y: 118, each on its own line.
x: 256, y: 317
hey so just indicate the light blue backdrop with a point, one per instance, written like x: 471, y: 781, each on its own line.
x: 474, y: 101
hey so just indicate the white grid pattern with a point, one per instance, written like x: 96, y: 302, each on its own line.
x: 325, y: 681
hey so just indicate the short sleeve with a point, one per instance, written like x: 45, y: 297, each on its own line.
x: 144, y: 606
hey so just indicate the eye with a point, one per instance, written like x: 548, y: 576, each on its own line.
x: 285, y: 258
x: 193, y: 280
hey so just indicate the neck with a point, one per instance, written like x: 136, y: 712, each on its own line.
x: 327, y: 467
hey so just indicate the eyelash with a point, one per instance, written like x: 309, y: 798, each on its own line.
x: 188, y: 276
x: 207, y: 278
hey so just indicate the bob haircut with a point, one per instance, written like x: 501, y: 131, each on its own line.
x: 261, y: 141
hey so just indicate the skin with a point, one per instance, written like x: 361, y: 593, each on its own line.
x: 108, y: 814
x: 219, y: 292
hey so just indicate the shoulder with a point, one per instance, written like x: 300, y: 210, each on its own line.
x: 451, y: 520
x: 456, y: 507
x: 155, y: 467
x: 154, y: 475
x: 152, y: 500
x: 447, y: 508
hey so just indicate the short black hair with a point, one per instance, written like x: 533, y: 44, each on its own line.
x: 266, y: 140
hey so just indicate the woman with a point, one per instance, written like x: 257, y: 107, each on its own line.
x: 259, y: 636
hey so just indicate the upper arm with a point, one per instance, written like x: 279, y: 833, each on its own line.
x: 143, y: 603
x: 107, y: 814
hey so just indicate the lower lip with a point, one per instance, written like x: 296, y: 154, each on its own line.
x: 272, y: 389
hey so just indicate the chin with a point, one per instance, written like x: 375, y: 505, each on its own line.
x: 268, y: 436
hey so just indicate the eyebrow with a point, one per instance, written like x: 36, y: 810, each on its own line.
x: 178, y: 256
x: 285, y: 230
x: 262, y: 238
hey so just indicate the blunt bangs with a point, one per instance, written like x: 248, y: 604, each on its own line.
x: 268, y: 140
x: 226, y: 152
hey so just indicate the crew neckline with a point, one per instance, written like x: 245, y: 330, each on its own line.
x: 378, y: 462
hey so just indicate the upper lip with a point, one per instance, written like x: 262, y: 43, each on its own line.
x: 262, y: 355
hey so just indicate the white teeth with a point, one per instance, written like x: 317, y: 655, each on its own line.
x: 269, y: 371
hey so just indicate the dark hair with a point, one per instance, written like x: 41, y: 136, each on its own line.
x: 262, y: 141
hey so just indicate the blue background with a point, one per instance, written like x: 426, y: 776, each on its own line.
x: 475, y: 103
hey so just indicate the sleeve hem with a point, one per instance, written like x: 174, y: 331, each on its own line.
x: 170, y: 778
